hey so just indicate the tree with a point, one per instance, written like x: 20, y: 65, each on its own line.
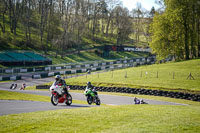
x: 138, y: 16
x: 3, y: 10
x: 111, y: 4
x: 26, y: 18
x: 152, y: 12
x: 180, y: 21
x: 123, y: 24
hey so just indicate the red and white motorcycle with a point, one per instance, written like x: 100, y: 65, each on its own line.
x: 58, y: 95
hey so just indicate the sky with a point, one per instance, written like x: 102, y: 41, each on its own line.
x: 147, y: 4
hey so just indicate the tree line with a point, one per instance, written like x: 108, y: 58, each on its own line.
x: 62, y: 24
x: 176, y: 31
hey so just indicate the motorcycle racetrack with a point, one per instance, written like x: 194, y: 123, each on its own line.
x: 18, y: 106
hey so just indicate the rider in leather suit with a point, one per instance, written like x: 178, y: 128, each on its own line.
x: 61, y: 82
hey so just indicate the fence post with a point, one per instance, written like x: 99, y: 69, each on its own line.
x: 12, y: 71
x: 173, y: 75
x: 125, y: 75
x: 112, y: 74
x: 141, y: 74
x: 190, y: 76
x: 157, y: 74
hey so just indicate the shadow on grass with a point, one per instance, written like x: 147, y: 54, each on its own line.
x: 78, y: 106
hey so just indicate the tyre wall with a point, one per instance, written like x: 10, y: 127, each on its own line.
x: 178, y: 95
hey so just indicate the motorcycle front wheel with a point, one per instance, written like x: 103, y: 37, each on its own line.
x: 98, y: 102
x: 89, y: 99
x: 54, y: 100
x: 69, y: 100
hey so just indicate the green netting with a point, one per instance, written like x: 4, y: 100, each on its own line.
x: 35, y: 56
x: 4, y: 57
x: 18, y: 56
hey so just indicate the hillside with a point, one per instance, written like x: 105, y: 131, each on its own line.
x: 169, y: 76
x: 68, y: 54
x: 86, y: 56
x: 9, y: 41
x: 58, y: 28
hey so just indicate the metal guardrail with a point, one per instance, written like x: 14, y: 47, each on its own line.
x: 71, y: 69
x: 68, y: 66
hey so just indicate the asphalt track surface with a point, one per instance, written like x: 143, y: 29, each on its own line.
x: 17, y: 106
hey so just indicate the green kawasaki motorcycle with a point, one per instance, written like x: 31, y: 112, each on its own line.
x: 92, y: 96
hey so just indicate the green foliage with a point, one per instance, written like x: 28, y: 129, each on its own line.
x: 50, y: 28
x: 166, y: 39
x: 174, y: 31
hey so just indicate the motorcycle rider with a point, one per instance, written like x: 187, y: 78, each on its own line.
x: 136, y: 100
x: 89, y: 86
x: 23, y: 86
x: 13, y: 86
x: 61, y: 82
x: 91, y: 94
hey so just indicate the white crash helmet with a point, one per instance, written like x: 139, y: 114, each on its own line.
x: 57, y: 77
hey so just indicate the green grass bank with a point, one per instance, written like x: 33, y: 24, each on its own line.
x: 169, y: 76
x: 107, y: 119
x: 120, y: 119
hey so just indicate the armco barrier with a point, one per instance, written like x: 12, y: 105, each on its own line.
x: 93, y: 67
x: 38, y: 76
x: 146, y: 60
x: 67, y: 72
x: 179, y: 95
x: 6, y: 78
x: 43, y: 86
x: 116, y: 66
x: 44, y: 75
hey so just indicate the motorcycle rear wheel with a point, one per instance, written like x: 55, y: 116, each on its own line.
x: 54, y: 100
x: 69, y: 100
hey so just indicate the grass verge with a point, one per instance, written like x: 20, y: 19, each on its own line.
x: 8, y: 95
x: 120, y: 119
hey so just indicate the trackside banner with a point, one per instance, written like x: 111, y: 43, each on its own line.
x: 137, y: 49
x: 126, y: 48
